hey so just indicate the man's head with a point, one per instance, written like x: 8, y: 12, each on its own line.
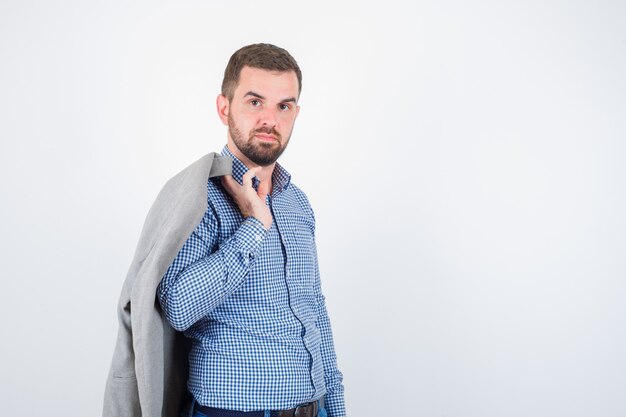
x: 262, y: 56
x: 258, y: 103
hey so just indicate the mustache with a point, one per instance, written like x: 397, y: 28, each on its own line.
x: 266, y: 130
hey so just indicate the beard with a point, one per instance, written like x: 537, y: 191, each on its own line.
x: 260, y: 153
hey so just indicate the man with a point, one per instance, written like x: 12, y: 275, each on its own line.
x: 245, y: 287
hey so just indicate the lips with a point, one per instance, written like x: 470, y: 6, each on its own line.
x: 265, y: 137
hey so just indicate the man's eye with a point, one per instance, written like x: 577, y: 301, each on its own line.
x: 284, y: 107
x: 255, y: 103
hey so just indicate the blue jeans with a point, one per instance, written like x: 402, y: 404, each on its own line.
x: 196, y: 413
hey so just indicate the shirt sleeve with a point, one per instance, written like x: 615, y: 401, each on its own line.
x: 334, y: 402
x: 203, y: 275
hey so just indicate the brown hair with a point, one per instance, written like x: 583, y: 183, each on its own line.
x: 260, y: 55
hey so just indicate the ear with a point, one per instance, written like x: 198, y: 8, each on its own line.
x: 297, y: 110
x: 223, y: 108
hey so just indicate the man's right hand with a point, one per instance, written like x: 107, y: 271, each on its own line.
x: 250, y: 201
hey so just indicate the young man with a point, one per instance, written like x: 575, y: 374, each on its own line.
x: 245, y: 287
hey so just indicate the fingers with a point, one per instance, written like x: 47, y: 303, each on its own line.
x: 250, y: 202
x: 247, y: 177
x: 263, y: 188
x: 234, y: 189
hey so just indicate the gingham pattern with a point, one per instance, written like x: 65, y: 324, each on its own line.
x: 251, y: 302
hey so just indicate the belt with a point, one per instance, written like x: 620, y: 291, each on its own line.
x: 303, y: 410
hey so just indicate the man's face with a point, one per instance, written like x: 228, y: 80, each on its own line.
x: 261, y: 114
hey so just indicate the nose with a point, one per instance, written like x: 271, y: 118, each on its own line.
x: 268, y: 117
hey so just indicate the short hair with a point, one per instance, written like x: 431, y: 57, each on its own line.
x: 260, y: 55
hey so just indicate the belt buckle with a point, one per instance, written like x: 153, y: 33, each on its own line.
x: 300, y: 411
x: 303, y: 410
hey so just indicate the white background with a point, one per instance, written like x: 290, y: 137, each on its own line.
x: 466, y: 161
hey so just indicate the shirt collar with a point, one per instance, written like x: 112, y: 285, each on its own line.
x: 281, y: 178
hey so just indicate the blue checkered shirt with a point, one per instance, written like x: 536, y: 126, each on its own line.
x: 250, y: 301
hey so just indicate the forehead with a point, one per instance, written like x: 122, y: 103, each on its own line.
x: 270, y: 84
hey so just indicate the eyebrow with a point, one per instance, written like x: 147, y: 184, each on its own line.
x: 257, y: 95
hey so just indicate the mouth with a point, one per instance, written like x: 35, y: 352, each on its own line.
x: 264, y: 137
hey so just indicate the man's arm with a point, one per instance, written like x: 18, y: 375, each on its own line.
x: 334, y: 398
x: 198, y: 281
x: 201, y: 278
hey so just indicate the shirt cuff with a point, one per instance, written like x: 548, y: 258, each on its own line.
x: 335, y: 405
x: 249, y: 237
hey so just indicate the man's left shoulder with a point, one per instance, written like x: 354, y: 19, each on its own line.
x: 298, y: 191
x: 299, y: 201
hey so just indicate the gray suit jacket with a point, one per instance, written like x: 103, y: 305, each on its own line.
x: 149, y: 370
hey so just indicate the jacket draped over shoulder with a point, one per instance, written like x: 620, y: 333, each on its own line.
x: 149, y: 370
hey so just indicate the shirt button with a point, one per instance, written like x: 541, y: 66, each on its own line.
x: 258, y: 238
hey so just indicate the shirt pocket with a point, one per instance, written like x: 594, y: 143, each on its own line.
x: 301, y: 251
